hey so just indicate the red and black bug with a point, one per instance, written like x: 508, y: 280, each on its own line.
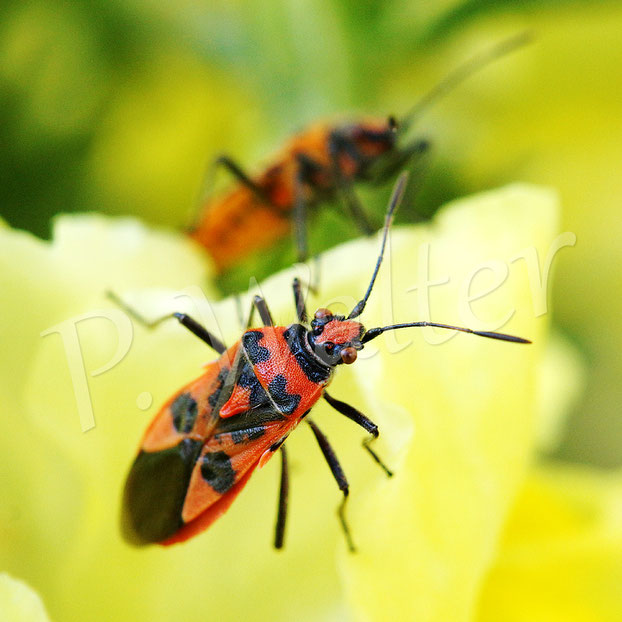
x: 202, y: 447
x: 320, y: 164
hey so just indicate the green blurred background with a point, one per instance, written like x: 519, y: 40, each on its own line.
x: 119, y: 107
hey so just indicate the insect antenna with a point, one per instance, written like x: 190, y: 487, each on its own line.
x: 460, y: 74
x: 396, y: 198
x: 372, y: 333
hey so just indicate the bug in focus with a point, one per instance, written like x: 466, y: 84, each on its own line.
x: 318, y: 165
x: 206, y: 441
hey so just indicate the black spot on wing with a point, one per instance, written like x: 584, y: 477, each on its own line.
x: 295, y: 336
x: 287, y: 402
x: 155, y: 491
x: 184, y: 410
x: 256, y: 353
x: 217, y: 471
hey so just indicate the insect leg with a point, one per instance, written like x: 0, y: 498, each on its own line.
x: 304, y: 182
x: 241, y: 176
x: 394, y: 161
x: 264, y: 313
x: 337, y: 144
x: 281, y: 517
x: 354, y: 206
x: 299, y: 300
x: 208, y: 184
x: 185, y: 320
x: 300, y: 217
x: 340, y: 478
x: 358, y: 417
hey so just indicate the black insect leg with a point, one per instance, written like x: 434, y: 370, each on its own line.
x: 264, y: 313
x: 395, y: 160
x: 304, y: 185
x: 299, y: 300
x: 337, y: 144
x: 281, y: 517
x: 358, y: 417
x: 354, y: 207
x: 185, y: 320
x: 340, y: 478
x: 237, y: 172
x: 300, y: 217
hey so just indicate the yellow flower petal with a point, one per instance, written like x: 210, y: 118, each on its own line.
x: 43, y: 284
x: 546, y: 115
x: 19, y: 603
x: 561, y: 556
x: 456, y: 421
x: 428, y: 536
x: 562, y: 382
x: 159, y: 131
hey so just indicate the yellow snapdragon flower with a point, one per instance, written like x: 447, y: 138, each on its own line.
x: 460, y: 419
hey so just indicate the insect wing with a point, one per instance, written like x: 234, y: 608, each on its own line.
x: 193, y: 463
x: 208, y: 516
x: 220, y: 473
x: 158, y: 480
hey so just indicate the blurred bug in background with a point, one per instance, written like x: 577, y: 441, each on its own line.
x: 318, y: 165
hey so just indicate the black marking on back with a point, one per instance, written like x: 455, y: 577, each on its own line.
x: 184, y: 410
x: 217, y: 471
x: 155, y: 491
x: 255, y: 352
x: 295, y: 336
x: 248, y: 380
x: 249, y: 422
x: 287, y: 402
x: 220, y: 381
x: 261, y: 409
x: 229, y: 378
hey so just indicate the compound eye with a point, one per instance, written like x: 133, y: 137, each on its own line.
x: 348, y: 355
x: 322, y: 314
